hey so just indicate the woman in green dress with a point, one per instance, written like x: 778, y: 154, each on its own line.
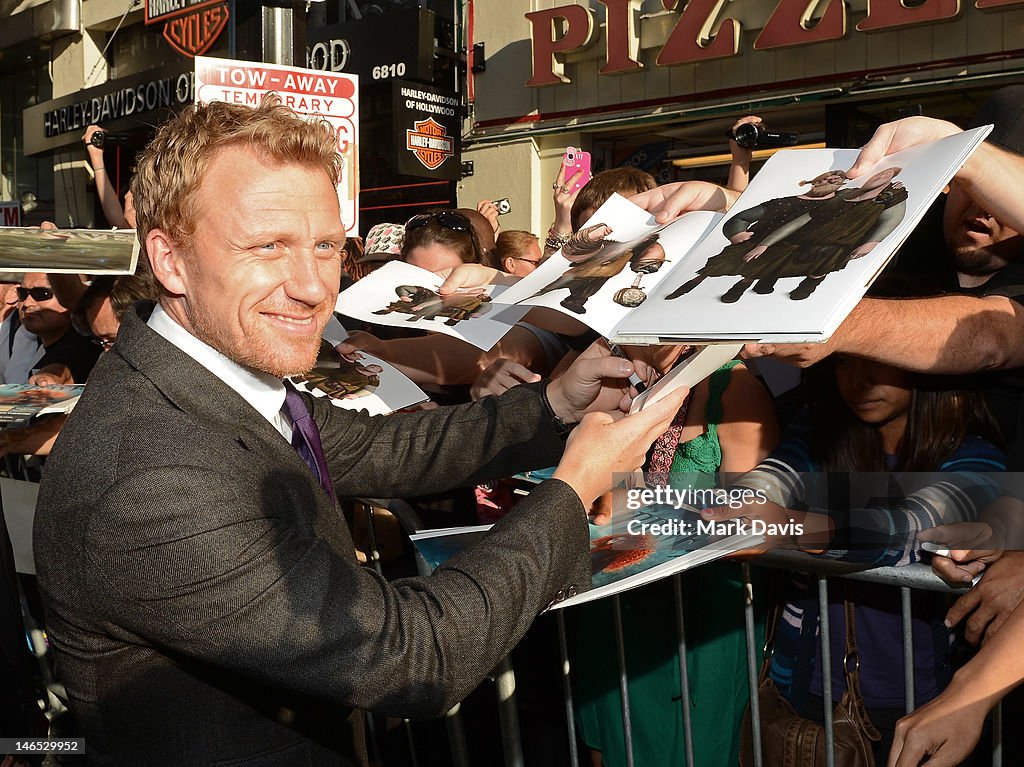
x: 728, y: 426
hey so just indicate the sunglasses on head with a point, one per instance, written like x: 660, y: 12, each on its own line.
x: 449, y: 219
x: 38, y: 294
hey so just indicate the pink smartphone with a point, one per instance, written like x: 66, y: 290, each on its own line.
x: 575, y: 160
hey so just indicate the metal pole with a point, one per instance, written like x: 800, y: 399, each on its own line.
x: 570, y: 717
x: 684, y: 671
x: 627, y: 727
x: 755, y: 708
x: 908, y: 650
x: 456, y: 737
x: 826, y: 669
x: 508, y: 714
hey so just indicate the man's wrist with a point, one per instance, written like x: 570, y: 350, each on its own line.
x: 561, y: 419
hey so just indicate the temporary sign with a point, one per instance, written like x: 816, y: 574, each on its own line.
x: 427, y: 125
x: 333, y: 97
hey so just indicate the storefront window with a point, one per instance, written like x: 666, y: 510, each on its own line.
x: 28, y: 180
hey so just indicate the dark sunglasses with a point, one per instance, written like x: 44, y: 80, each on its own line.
x: 449, y: 219
x: 38, y: 294
x: 103, y: 343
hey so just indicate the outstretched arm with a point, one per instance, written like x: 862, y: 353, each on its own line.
x: 946, y: 335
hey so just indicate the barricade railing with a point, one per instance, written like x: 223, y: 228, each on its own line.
x: 908, y: 579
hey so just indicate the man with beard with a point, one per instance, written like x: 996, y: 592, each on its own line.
x: 979, y: 327
x: 201, y: 585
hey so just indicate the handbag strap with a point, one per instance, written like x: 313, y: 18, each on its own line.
x: 771, y: 626
x: 851, y: 668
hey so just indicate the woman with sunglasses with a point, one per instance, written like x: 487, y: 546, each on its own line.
x: 446, y: 238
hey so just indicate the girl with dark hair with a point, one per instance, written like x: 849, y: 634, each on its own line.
x: 866, y: 417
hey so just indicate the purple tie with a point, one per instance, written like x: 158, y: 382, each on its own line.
x: 306, y: 439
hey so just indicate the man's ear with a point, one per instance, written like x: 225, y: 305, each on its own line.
x: 509, y: 263
x: 166, y: 260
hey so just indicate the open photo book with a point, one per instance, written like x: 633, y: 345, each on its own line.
x: 68, y: 251
x: 20, y: 403
x: 357, y: 381
x: 623, y: 555
x: 786, y: 264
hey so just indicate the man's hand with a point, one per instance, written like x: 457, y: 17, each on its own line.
x: 972, y: 546
x: 597, y: 381
x: 896, y: 136
x: 739, y: 237
x: 990, y: 603
x: 500, y: 376
x: 800, y: 355
x: 670, y: 201
x: 944, y: 731
x: 606, y: 446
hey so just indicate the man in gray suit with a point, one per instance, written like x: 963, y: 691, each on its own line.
x: 200, y: 582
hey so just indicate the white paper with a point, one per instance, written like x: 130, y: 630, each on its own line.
x: 378, y: 298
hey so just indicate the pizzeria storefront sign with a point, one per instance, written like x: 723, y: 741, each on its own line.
x: 566, y: 29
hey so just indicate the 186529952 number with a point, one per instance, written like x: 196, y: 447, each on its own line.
x: 384, y: 71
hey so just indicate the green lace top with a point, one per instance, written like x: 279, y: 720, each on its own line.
x: 703, y: 454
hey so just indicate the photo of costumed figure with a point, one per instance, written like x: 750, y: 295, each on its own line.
x: 425, y: 304
x: 809, y: 236
x: 596, y: 259
x: 341, y: 376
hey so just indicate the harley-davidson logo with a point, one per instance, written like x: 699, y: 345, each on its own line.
x: 193, y: 34
x: 430, y: 142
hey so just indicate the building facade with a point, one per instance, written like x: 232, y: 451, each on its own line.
x: 657, y: 83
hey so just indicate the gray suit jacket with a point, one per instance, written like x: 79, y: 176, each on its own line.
x: 202, y: 591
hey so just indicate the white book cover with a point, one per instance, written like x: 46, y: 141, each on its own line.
x: 787, y: 263
x: 403, y: 295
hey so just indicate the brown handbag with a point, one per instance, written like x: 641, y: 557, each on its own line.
x: 790, y: 740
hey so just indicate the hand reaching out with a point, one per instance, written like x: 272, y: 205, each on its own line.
x: 500, y: 376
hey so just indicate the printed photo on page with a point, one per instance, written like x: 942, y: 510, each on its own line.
x: 402, y: 295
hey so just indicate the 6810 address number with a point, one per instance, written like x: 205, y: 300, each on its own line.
x: 384, y: 71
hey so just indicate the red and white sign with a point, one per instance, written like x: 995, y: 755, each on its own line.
x: 10, y: 213
x: 332, y: 96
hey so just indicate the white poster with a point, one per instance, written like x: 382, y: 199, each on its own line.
x: 333, y: 96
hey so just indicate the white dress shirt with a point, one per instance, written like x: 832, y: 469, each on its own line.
x: 261, y: 390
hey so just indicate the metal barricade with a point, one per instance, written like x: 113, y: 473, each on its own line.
x: 908, y: 579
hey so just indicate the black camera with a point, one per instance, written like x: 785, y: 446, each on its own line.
x: 101, y: 138
x: 750, y: 135
x: 503, y: 205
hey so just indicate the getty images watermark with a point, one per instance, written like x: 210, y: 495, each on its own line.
x: 649, y: 506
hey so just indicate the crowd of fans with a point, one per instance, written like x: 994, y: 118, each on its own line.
x: 924, y: 376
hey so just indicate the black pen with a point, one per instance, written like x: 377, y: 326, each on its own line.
x: 637, y: 381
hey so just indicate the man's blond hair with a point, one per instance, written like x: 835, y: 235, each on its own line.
x: 172, y: 167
